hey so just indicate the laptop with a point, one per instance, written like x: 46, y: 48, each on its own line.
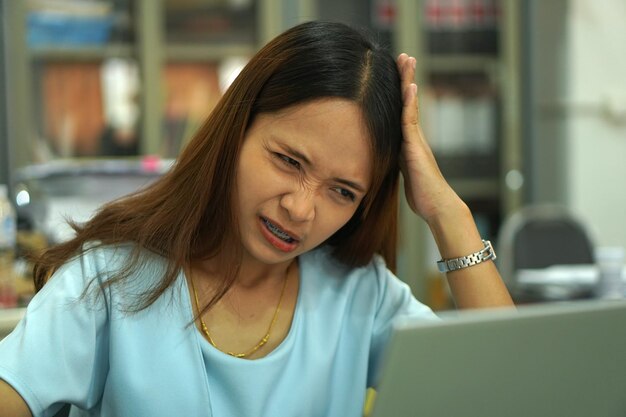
x: 561, y: 359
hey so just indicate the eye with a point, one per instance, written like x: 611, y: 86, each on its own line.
x: 287, y: 160
x: 345, y: 194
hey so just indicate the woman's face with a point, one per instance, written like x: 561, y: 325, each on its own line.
x: 301, y: 175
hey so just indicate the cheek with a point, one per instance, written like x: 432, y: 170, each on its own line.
x: 257, y: 183
x: 331, y: 219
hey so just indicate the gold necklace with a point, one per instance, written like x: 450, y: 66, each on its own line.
x: 263, y: 340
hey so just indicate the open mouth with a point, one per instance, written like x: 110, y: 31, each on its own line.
x: 278, y: 232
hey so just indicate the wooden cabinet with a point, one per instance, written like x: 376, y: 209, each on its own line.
x: 139, y: 89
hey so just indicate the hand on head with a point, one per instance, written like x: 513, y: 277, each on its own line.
x: 427, y: 191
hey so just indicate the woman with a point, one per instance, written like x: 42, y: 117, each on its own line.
x: 246, y: 281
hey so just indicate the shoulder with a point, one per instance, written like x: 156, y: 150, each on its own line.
x: 103, y: 262
x: 321, y: 264
x: 328, y: 267
x: 105, y: 258
x: 372, y: 287
x: 97, y: 266
x: 371, y: 280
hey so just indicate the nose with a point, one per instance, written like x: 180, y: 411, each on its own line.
x: 299, y: 204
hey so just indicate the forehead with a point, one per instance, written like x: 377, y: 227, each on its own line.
x: 331, y: 132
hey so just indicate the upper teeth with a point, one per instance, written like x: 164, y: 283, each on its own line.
x: 274, y: 229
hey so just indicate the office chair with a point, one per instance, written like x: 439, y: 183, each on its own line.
x: 538, y: 237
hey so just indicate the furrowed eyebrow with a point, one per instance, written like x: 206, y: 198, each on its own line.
x: 307, y: 161
x: 350, y: 184
x: 297, y: 154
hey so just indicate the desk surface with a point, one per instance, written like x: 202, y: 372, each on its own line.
x: 562, y: 275
x: 565, y: 282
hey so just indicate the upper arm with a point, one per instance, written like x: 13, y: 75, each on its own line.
x: 58, y: 351
x: 13, y: 405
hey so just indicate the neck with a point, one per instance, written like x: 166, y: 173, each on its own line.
x: 252, y: 273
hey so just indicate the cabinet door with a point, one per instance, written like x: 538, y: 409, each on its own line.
x: 79, y: 70
x: 206, y: 44
x: 121, y: 77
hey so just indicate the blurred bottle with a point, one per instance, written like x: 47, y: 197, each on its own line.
x: 610, y: 262
x: 8, y: 231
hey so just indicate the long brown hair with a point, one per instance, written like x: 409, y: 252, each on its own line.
x: 188, y: 214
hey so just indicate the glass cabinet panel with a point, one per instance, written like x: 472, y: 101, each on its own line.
x: 206, y: 43
x: 211, y: 21
x: 84, y: 78
x: 86, y: 108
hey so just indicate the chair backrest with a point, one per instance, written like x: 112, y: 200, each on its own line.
x: 541, y: 236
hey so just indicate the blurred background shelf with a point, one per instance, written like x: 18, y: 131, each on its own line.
x: 143, y: 89
x: 462, y: 63
x: 82, y: 53
x: 477, y: 188
x: 128, y: 55
x: 207, y: 53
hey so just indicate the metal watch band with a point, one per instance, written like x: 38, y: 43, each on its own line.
x: 485, y: 254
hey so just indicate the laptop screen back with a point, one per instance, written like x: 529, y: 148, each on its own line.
x: 549, y: 360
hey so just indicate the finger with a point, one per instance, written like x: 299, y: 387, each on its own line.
x: 410, y: 116
x: 417, y: 103
x: 406, y: 68
x: 401, y: 60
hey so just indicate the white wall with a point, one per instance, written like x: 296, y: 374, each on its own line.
x: 596, y: 128
x: 578, y: 154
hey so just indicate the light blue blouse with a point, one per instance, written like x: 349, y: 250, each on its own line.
x: 88, y: 352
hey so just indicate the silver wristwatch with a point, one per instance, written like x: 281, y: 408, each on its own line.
x: 485, y: 254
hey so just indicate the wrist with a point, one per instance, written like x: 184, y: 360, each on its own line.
x: 451, y: 213
x: 455, y: 231
x: 485, y: 254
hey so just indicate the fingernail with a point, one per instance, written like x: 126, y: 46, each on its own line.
x: 413, y: 62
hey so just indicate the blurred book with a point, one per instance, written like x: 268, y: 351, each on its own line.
x: 192, y: 91
x: 69, y: 22
x: 228, y: 21
x: 460, y: 118
x: 462, y: 26
x: 72, y: 107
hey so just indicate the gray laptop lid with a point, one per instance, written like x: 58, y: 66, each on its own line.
x: 549, y: 360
